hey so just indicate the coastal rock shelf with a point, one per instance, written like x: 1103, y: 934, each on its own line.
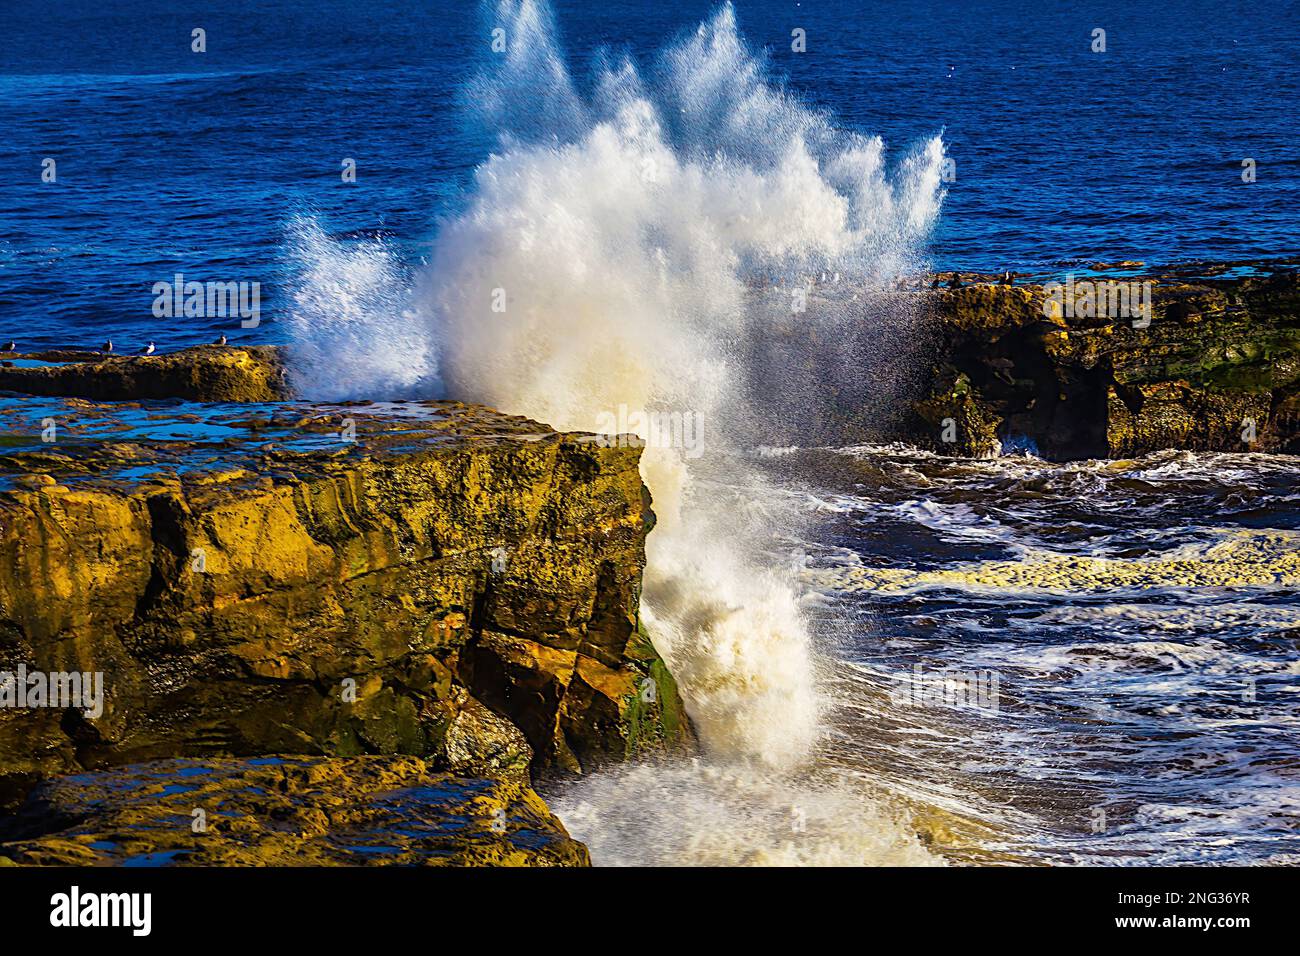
x: 432, y: 579
x: 1216, y: 369
x: 210, y: 373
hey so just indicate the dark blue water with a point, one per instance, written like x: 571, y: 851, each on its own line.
x: 173, y: 161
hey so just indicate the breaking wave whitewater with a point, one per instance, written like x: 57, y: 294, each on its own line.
x: 1135, y: 619
x: 624, y: 247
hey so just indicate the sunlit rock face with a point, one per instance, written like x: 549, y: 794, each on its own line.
x: 429, y: 578
x: 203, y: 374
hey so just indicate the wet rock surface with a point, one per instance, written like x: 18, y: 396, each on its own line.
x: 357, y: 811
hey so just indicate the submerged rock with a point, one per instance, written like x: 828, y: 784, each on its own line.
x: 404, y: 578
x: 210, y: 373
x: 297, y: 811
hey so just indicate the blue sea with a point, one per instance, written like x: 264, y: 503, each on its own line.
x: 173, y: 161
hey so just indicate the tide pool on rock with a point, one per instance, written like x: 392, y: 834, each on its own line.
x: 293, y: 811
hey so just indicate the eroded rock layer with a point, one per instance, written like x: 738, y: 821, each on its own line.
x: 208, y: 373
x: 1214, y: 366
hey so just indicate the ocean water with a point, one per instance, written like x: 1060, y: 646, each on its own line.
x: 1091, y: 662
x: 173, y: 161
x: 890, y: 657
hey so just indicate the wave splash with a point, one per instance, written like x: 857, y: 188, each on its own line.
x: 622, y: 248
x: 352, y: 325
x: 605, y: 259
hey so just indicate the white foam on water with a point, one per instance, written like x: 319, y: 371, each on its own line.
x: 709, y: 814
x: 602, y: 263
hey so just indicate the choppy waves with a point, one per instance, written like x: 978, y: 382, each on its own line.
x: 1141, y: 618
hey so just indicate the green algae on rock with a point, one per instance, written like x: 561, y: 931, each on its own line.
x: 292, y: 811
x: 413, y: 578
x: 655, y: 718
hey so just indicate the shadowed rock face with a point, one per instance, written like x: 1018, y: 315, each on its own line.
x: 358, y: 811
x: 205, y: 374
x: 1218, y: 364
x: 431, y: 578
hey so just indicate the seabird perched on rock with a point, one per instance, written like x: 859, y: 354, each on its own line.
x: 955, y: 281
x: 148, y: 349
x: 1008, y: 278
x: 107, y: 346
x: 11, y: 347
x: 220, y: 341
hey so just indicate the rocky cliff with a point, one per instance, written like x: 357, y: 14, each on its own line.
x: 1082, y: 372
x: 205, y: 374
x: 431, y: 579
